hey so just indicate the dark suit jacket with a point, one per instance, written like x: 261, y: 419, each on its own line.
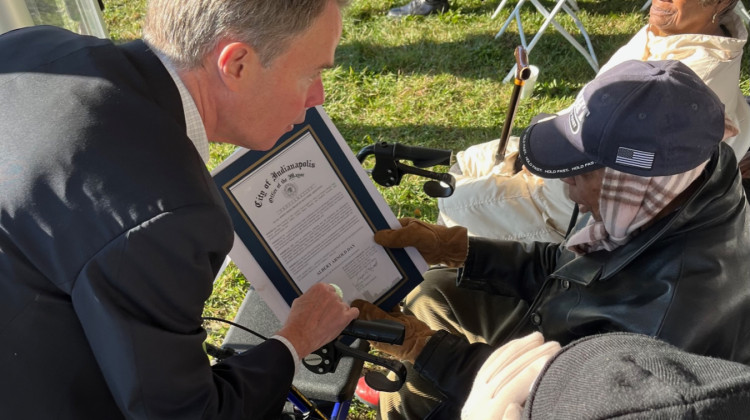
x: 111, y: 232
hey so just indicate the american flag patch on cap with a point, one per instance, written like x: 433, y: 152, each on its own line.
x: 634, y: 158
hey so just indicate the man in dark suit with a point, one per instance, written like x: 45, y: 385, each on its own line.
x: 111, y: 229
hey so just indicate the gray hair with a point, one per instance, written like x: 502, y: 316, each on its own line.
x: 186, y: 31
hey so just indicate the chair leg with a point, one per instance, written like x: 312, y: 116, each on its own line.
x: 646, y: 6
x: 548, y: 18
x: 744, y: 15
x: 499, y: 8
x: 515, y: 14
x: 589, y: 54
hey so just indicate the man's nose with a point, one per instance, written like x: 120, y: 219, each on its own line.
x: 316, y: 95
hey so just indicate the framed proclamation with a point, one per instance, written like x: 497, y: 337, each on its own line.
x: 305, y: 212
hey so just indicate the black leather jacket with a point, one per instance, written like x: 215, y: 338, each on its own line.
x: 685, y: 280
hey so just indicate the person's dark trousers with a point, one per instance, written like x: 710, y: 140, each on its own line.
x: 420, y: 8
x: 442, y: 305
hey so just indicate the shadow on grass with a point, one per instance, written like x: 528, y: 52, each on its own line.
x: 606, y: 7
x: 452, y: 138
x: 477, y: 56
x: 592, y: 7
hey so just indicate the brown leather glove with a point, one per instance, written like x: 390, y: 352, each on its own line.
x: 416, y: 333
x: 437, y: 244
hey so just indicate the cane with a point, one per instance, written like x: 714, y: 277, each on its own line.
x: 523, y: 72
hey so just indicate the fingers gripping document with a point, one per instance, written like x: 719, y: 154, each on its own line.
x: 305, y: 212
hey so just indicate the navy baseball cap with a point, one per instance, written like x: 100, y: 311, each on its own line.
x: 646, y: 118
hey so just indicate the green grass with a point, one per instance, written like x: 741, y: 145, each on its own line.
x: 432, y: 81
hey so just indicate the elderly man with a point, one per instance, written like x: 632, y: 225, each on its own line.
x: 663, y: 249
x: 111, y: 228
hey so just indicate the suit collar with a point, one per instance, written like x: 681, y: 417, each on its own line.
x: 158, y: 79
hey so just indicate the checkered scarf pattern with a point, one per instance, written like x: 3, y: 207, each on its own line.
x: 628, y: 202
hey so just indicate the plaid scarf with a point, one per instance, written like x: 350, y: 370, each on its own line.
x: 626, y: 203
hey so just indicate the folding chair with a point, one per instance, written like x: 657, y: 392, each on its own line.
x: 739, y: 9
x: 569, y: 7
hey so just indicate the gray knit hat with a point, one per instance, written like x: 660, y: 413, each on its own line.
x: 631, y: 376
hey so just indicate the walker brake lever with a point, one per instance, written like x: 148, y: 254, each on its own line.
x: 326, y: 359
x: 388, y: 170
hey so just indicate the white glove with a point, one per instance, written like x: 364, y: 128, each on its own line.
x: 503, y: 382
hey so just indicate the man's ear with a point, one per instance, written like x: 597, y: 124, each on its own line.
x: 730, y: 130
x: 236, y: 62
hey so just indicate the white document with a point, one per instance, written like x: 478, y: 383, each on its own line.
x: 307, y: 213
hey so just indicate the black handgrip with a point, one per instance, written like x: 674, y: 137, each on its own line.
x: 364, y: 152
x: 218, y: 353
x: 326, y: 359
x: 423, y: 157
x: 388, y: 169
x: 383, y: 330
